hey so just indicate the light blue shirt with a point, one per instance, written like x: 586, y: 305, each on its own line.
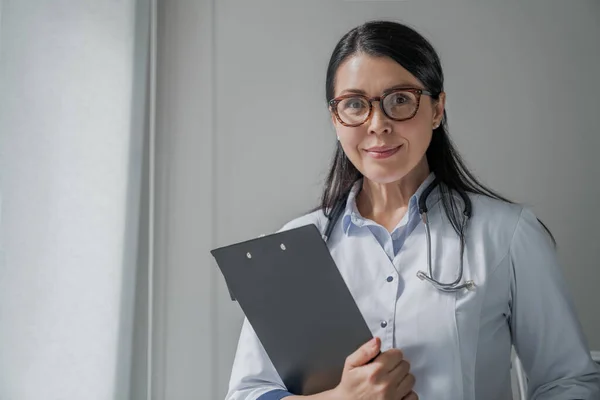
x: 458, y: 344
x: 391, y: 242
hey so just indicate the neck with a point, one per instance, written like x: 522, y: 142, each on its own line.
x: 386, y: 203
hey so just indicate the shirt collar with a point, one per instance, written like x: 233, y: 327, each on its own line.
x: 352, y: 215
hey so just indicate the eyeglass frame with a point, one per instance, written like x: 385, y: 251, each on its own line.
x: 333, y: 103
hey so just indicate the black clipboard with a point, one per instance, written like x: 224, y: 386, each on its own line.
x: 291, y: 291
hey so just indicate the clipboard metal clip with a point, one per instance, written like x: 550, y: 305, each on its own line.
x: 249, y: 256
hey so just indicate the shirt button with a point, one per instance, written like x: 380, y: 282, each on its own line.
x: 383, y: 324
x: 390, y: 278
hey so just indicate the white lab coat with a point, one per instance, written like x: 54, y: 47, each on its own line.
x: 458, y: 344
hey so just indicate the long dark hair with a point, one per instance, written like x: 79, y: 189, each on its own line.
x: 415, y: 54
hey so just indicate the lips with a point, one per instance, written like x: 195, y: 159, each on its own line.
x: 382, y: 151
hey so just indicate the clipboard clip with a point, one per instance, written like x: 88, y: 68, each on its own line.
x: 249, y: 256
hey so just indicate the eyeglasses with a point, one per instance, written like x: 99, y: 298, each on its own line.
x: 399, y: 105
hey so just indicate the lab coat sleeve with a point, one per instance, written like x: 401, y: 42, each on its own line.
x: 253, y: 375
x: 546, y: 331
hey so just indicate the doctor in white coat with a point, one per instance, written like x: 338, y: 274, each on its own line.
x: 449, y: 276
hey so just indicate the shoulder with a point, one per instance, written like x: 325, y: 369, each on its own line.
x: 316, y: 218
x: 495, y: 212
x: 505, y: 216
x: 495, y: 222
x: 504, y: 223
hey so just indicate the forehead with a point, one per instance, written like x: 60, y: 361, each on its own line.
x: 372, y: 75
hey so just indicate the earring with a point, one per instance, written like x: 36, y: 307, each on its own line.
x: 338, y: 138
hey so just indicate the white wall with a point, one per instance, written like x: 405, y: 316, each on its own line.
x: 72, y: 76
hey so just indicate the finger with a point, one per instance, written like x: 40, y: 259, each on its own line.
x: 383, y: 364
x: 396, y: 377
x: 390, y: 359
x: 406, y: 386
x: 400, y: 371
x: 364, y: 354
x: 411, y: 396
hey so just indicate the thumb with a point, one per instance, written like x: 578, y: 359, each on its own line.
x: 364, y: 354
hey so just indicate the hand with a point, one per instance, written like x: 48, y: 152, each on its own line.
x: 387, y: 377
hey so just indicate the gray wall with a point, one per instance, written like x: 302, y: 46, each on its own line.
x: 72, y: 78
x: 184, y: 351
x: 522, y: 91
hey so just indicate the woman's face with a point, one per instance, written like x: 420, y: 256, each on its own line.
x: 382, y: 149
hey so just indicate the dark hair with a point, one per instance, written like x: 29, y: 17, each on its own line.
x: 415, y: 54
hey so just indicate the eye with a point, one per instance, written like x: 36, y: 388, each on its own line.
x: 354, y: 103
x: 399, y: 99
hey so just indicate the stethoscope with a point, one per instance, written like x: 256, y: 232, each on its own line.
x: 338, y: 210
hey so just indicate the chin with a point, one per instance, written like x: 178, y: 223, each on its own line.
x: 388, y: 172
x: 385, y: 177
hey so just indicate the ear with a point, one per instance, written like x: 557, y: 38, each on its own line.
x: 438, y: 108
x: 334, y: 120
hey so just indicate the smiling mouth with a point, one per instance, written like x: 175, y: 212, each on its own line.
x: 382, y: 152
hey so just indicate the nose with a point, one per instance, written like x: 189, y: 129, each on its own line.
x: 379, y: 123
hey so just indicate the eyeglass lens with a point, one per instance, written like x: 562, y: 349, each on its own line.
x: 396, y: 105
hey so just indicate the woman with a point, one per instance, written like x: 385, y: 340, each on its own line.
x: 442, y: 335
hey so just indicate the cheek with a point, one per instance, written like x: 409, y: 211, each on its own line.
x: 417, y: 132
x: 418, y: 136
x: 351, y: 138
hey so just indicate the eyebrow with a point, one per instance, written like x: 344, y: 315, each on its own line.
x: 395, y: 87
